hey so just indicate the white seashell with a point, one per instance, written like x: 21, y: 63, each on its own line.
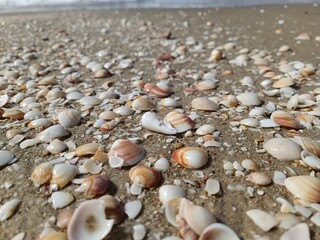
x: 74, y: 95
x: 40, y: 123
x: 92, y: 167
x: 179, y: 121
x: 150, y: 121
x: 259, y: 178
x: 133, y: 208
x: 293, y: 102
x: 310, y: 159
x: 89, y: 221
x: 287, y: 220
x: 249, y: 165
x: 286, y: 207
x: 190, y: 157
x: 56, y: 146
x: 249, y: 99
x: 247, y: 81
x: 90, y: 100
x: 262, y: 219
x: 172, y: 238
x: 279, y: 177
x: 55, y: 131
x: 283, y: 149
x: 124, y: 111
x: 304, y: 187
x: 33, y: 114
x: 29, y: 143
x: 205, y: 129
x: 285, y: 119
x: 297, y: 232
x: 5, y: 157
x: 257, y: 112
x: 316, y: 219
x: 4, y: 100
x: 18, y: 97
x: 116, y: 162
x: 310, y: 145
x: 19, y: 236
x: 250, y: 122
x: 139, y: 232
x: 172, y: 209
x: 69, y: 118
x: 162, y: 164
x: 168, y: 192
x: 218, y: 231
x: 212, y: 186
x: 8, y: 209
x: 169, y: 102
x: 108, y: 115
x: 61, y: 199
x: 62, y: 174
x: 268, y: 123
x: 204, y: 104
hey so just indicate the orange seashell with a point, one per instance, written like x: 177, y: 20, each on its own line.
x: 285, y: 119
x: 190, y: 157
x: 130, y: 152
x: 156, y: 91
x: 86, y: 149
x: 179, y: 121
x: 144, y: 176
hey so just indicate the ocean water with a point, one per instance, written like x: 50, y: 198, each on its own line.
x: 34, y: 5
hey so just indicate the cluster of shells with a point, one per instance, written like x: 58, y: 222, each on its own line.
x: 85, y: 124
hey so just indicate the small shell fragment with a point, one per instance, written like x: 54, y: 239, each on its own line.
x: 297, y: 232
x: 150, y: 121
x: 218, y: 231
x: 61, y: 199
x: 139, y: 232
x: 262, y: 219
x: 133, y: 208
x: 5, y: 157
x: 8, y: 209
x: 212, y: 186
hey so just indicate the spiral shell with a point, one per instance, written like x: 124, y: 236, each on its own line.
x: 190, y: 157
x: 69, y: 118
x: 94, y: 185
x: 144, y: 176
x: 179, y: 121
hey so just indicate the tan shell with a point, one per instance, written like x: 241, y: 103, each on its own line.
x: 64, y: 217
x: 144, y: 176
x: 94, y: 185
x: 190, y: 157
x: 284, y: 82
x: 285, y: 119
x: 218, y: 231
x: 206, y: 85
x: 14, y: 114
x: 62, y: 174
x: 204, y: 104
x: 143, y: 104
x: 55, y: 236
x: 304, y: 187
x: 156, y: 91
x: 259, y: 178
x: 130, y: 152
x: 179, y: 121
x: 42, y: 174
x: 86, y: 149
x: 100, y: 156
x: 310, y: 145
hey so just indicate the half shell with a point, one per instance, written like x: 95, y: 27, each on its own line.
x: 144, y: 176
x: 283, y: 149
x: 190, y: 157
x: 179, y: 121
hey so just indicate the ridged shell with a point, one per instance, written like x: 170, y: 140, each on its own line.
x: 69, y: 118
x: 304, y: 187
x: 156, y: 91
x: 87, y: 149
x: 55, y: 131
x: 62, y: 174
x: 190, y: 157
x: 204, y: 104
x: 94, y: 185
x: 218, y: 231
x: 144, y: 176
x: 285, y: 119
x: 283, y: 149
x: 179, y: 121
x: 42, y: 174
x: 130, y: 152
x: 113, y: 208
x: 310, y: 145
x: 143, y: 104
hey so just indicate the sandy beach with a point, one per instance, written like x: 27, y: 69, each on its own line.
x: 150, y: 46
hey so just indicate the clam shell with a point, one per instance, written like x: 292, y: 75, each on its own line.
x: 249, y: 99
x: 190, y: 157
x: 259, y: 178
x: 143, y: 104
x: 108, y: 115
x: 311, y: 160
x: 123, y: 111
x: 89, y: 222
x: 56, y: 146
x: 5, y: 157
x: 4, y: 100
x: 14, y: 114
x: 29, y: 143
x: 156, y: 90
x: 69, y: 118
x: 133, y: 208
x: 304, y: 187
x: 55, y: 131
x: 204, y: 104
x: 113, y: 208
x: 283, y: 149
x: 262, y: 219
x: 42, y: 173
x: 90, y: 100
x: 94, y: 185
x: 130, y: 152
x: 310, y: 145
x: 206, y: 85
x: 150, y: 121
x: 62, y: 174
x: 8, y: 209
x: 284, y: 82
x: 55, y: 94
x: 144, y: 176
x: 168, y: 192
x: 218, y: 231
x: 285, y: 119
x: 86, y: 149
x: 179, y: 121
x: 40, y: 123
x: 61, y: 199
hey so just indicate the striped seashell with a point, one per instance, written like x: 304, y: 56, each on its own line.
x: 179, y: 121
x: 94, y: 186
x: 151, y: 121
x: 156, y: 91
x: 285, y: 119
x: 310, y: 145
x: 146, y: 177
x: 190, y: 157
x: 69, y: 118
x: 130, y: 152
x: 283, y: 149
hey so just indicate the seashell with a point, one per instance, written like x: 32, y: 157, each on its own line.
x: 250, y: 122
x: 212, y: 186
x: 285, y: 119
x: 146, y: 177
x: 69, y: 118
x: 283, y: 149
x: 40, y: 123
x: 139, y: 232
x: 13, y: 114
x: 116, y: 162
x: 62, y: 174
x: 284, y: 82
x: 113, y: 208
x: 206, y: 85
x: 218, y: 231
x: 8, y: 209
x: 179, y: 121
x: 55, y: 93
x: 172, y: 209
x: 249, y: 165
x: 162, y: 164
x: 130, y: 152
x: 64, y: 217
x: 102, y: 73
x: 204, y: 104
x: 86, y: 149
x: 18, y: 97
x: 304, y: 187
x: 156, y: 90
x: 89, y: 222
x: 287, y: 220
x: 293, y: 102
x: 90, y: 166
x: 169, y: 102
x: 94, y: 186
x: 56, y: 146
x: 297, y: 232
x: 108, y: 115
x: 123, y: 111
x: 50, y: 80
x: 262, y: 219
x: 12, y: 133
x: 74, y: 95
x: 27, y: 101
x: 55, y: 236
x: 259, y: 178
x: 55, y: 131
x: 42, y: 173
x: 150, y: 121
x: 168, y: 192
x: 108, y: 126
x: 143, y: 104
x: 133, y: 208
x: 310, y: 145
x: 216, y: 55
x: 311, y: 160
x: 5, y: 157
x: 4, y: 100
x: 33, y: 114
x: 90, y: 100
x: 190, y: 157
x: 29, y: 143
x: 249, y: 99
x: 61, y: 199
x: 100, y: 156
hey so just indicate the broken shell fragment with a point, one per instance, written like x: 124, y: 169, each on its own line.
x: 64, y: 217
x: 55, y: 131
x: 8, y: 209
x: 190, y: 157
x: 179, y: 121
x: 262, y: 219
x: 133, y: 208
x: 42, y: 173
x: 89, y: 222
x: 283, y: 149
x: 130, y: 152
x: 61, y: 199
x: 305, y: 187
x: 5, y: 157
x: 13, y: 114
x: 113, y: 208
x: 285, y: 119
x: 150, y: 121
x: 62, y: 174
x: 69, y: 118
x: 311, y: 160
x: 168, y: 192
x: 94, y: 185
x: 218, y: 231
x: 204, y: 104
x: 146, y: 177
x: 86, y: 149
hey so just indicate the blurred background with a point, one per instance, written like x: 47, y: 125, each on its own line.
x: 29, y: 5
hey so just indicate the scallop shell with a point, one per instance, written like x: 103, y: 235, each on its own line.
x: 113, y: 208
x: 168, y: 192
x: 144, y: 176
x: 190, y: 157
x: 218, y: 231
x: 8, y: 209
x: 69, y: 118
x: 179, y: 121
x: 42, y: 173
x: 94, y: 185
x: 310, y: 145
x: 156, y: 90
x: 262, y: 219
x: 89, y: 222
x: 283, y: 149
x: 143, y: 104
x: 55, y: 131
x: 150, y: 121
x: 130, y: 152
x: 249, y: 99
x: 285, y: 119
x: 62, y: 174
x: 305, y: 187
x: 204, y: 104
x: 87, y: 149
x: 5, y: 157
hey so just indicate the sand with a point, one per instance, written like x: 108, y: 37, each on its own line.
x: 129, y: 32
